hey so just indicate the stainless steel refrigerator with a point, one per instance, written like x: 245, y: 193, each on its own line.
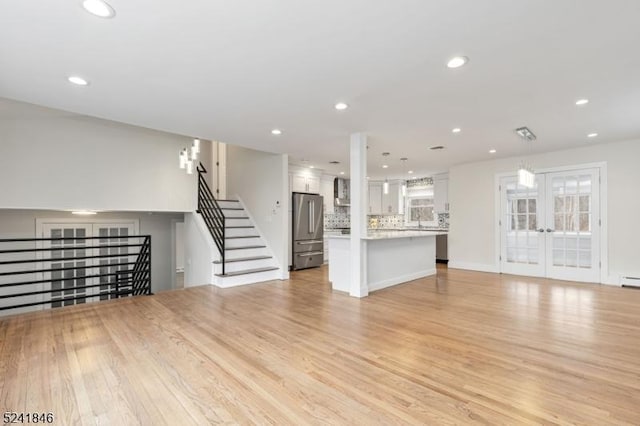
x: 308, y: 231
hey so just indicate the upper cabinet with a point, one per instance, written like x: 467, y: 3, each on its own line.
x: 326, y: 190
x: 304, y: 181
x: 375, y: 197
x: 381, y: 203
x: 441, y: 193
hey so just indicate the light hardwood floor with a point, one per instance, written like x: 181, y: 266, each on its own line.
x: 461, y: 348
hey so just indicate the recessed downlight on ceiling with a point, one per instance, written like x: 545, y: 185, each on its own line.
x: 341, y: 106
x: 84, y: 212
x: 457, y: 61
x: 99, y: 8
x: 492, y: 151
x: 592, y: 135
x: 341, y: 173
x: 581, y: 102
x: 385, y: 166
x: 276, y: 132
x: 410, y: 172
x: 79, y: 81
x: 456, y: 130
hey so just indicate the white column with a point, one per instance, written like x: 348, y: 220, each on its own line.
x: 359, y: 202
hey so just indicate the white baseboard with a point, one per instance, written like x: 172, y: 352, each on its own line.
x: 469, y: 266
x: 401, y: 279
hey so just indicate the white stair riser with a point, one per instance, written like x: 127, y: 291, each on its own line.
x: 235, y: 254
x: 225, y: 282
x: 240, y: 232
x: 234, y: 213
x: 237, y: 222
x: 231, y: 204
x: 241, y: 242
x: 243, y: 266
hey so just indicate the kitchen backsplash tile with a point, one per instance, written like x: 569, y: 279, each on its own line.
x: 343, y: 220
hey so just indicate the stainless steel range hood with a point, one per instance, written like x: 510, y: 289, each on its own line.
x: 341, y: 192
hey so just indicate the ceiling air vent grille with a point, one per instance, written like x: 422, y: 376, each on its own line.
x: 526, y: 134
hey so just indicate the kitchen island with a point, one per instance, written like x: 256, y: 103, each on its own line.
x: 393, y: 257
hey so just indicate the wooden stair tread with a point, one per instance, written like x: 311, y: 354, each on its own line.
x: 248, y: 271
x: 242, y: 259
x: 244, y: 247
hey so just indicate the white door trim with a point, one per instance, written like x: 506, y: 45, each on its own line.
x: 604, y: 213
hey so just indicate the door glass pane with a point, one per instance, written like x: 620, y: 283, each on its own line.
x: 521, y: 222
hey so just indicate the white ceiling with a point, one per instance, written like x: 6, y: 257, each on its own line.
x: 233, y: 70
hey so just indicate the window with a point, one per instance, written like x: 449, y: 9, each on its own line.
x: 420, y: 210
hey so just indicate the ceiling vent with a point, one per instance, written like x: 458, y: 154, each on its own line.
x: 526, y: 134
x: 334, y: 162
x: 436, y: 148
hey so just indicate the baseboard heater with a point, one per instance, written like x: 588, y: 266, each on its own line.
x: 631, y: 282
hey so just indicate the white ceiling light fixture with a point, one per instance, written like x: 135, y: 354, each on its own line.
x: 341, y: 173
x: 410, y: 172
x: 385, y: 187
x: 456, y: 130
x: 99, y: 8
x: 84, y: 212
x: 385, y: 166
x: 276, y: 132
x: 581, y: 102
x: 341, y: 106
x: 592, y: 135
x: 78, y: 81
x: 457, y: 61
x: 492, y: 151
x: 188, y: 156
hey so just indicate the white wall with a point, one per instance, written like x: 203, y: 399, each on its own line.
x: 199, y: 252
x: 51, y: 159
x: 261, y: 181
x: 22, y: 224
x: 180, y: 246
x: 472, y: 197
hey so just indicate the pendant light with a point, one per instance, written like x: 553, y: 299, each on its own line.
x: 526, y: 175
x: 385, y: 185
x: 188, y: 156
x: 404, y: 182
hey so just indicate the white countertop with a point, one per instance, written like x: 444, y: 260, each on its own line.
x: 384, y: 235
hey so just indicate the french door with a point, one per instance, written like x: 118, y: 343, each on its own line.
x: 69, y: 274
x: 553, y: 229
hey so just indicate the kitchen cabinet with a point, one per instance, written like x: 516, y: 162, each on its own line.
x: 305, y: 183
x: 391, y: 201
x: 375, y: 197
x: 326, y: 190
x: 441, y: 195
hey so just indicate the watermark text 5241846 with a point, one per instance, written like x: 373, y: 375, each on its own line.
x: 10, y: 417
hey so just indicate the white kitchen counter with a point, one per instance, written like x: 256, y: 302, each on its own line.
x: 393, y: 257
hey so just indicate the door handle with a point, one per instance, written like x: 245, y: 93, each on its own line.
x: 541, y: 230
x: 551, y: 230
x: 315, y: 253
x: 303, y: 243
x: 310, y: 217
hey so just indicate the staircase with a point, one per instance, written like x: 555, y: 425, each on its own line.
x: 244, y: 257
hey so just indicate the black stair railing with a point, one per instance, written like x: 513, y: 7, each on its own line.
x: 211, y: 213
x: 66, y: 271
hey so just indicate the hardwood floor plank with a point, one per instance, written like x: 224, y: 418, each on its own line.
x: 458, y: 348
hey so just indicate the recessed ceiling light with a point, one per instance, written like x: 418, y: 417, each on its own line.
x: 276, y: 132
x: 78, y: 80
x: 341, y: 106
x: 341, y: 173
x: 457, y: 61
x: 582, y: 102
x: 311, y: 167
x: 99, y: 8
x: 385, y: 166
x: 84, y: 212
x: 456, y: 130
x: 367, y: 177
x: 592, y: 135
x: 492, y: 151
x: 410, y: 172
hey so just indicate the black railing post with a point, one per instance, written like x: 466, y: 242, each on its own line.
x: 212, y: 214
x: 148, y: 241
